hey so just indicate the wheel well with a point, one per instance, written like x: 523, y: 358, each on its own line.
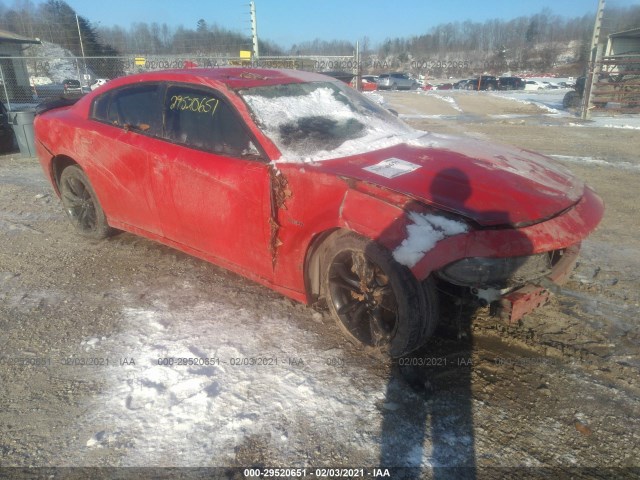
x: 58, y: 164
x: 313, y: 261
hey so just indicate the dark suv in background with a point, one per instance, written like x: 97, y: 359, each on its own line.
x: 511, y: 83
x: 484, y: 82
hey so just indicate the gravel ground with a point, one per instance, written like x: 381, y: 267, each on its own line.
x: 559, y: 391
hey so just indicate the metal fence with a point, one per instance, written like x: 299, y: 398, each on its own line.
x: 617, y: 88
x: 25, y: 81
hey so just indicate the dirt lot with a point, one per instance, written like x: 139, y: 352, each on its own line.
x: 560, y: 391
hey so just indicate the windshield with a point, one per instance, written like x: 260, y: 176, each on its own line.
x: 321, y: 120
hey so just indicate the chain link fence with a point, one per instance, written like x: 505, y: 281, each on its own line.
x: 27, y: 81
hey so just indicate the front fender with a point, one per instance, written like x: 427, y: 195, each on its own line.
x: 373, y: 218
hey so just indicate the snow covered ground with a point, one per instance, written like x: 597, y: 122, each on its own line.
x: 254, y: 376
x: 244, y: 382
x: 548, y: 100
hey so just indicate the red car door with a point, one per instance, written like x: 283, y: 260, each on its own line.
x: 127, y: 124
x: 211, y: 187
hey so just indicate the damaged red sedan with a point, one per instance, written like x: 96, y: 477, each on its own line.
x: 304, y: 185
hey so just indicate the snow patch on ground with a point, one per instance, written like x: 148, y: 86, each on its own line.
x: 242, y: 384
x: 596, y: 161
x: 412, y: 116
x: 451, y: 101
x: 423, y: 234
x: 551, y: 101
x: 627, y: 122
x: 629, y: 127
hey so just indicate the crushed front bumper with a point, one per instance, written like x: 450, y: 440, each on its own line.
x: 515, y: 305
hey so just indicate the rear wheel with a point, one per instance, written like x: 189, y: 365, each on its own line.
x: 377, y: 302
x: 81, y: 204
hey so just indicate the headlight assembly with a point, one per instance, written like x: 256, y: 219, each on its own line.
x: 506, y: 272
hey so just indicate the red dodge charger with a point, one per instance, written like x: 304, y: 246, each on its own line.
x: 300, y: 183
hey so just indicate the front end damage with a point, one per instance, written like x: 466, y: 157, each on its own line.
x: 513, y: 271
x: 512, y: 287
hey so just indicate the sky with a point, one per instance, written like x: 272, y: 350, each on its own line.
x: 287, y: 22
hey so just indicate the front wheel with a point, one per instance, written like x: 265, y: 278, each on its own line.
x: 376, y: 301
x: 81, y: 204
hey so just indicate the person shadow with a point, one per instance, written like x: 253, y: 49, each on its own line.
x: 429, y: 394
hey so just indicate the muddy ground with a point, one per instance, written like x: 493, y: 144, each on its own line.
x: 559, y: 391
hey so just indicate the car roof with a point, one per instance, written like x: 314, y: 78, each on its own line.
x: 232, y: 77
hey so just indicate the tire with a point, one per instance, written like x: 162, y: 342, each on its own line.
x: 571, y: 100
x: 394, y: 86
x: 81, y: 204
x: 376, y: 302
x: 490, y: 87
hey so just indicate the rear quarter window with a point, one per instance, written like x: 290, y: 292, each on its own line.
x: 138, y: 108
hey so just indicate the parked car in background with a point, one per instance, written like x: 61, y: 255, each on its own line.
x: 461, y: 84
x: 387, y: 224
x: 534, y: 85
x: 484, y: 82
x: 70, y: 86
x: 396, y: 81
x: 551, y: 85
x: 368, y: 83
x: 511, y: 83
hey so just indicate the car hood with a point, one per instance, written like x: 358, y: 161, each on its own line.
x: 491, y: 184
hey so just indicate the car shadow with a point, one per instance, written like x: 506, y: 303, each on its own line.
x: 429, y: 394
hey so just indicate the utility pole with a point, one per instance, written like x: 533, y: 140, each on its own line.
x: 594, y: 66
x: 358, y: 69
x: 254, y: 30
x: 84, y: 60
